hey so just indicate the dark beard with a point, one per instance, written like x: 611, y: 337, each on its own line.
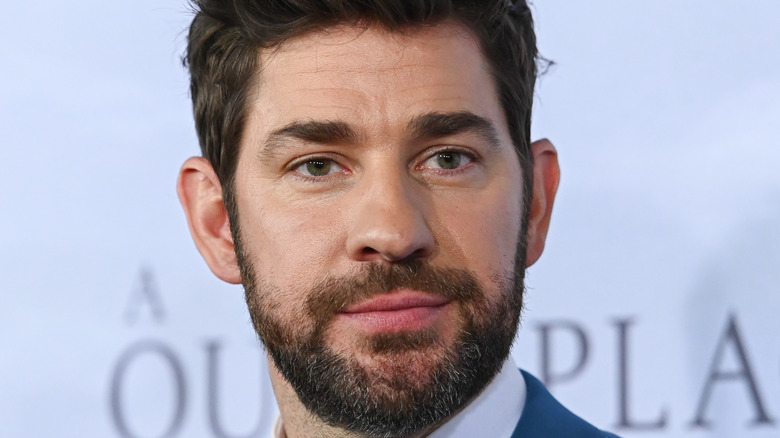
x: 414, y: 381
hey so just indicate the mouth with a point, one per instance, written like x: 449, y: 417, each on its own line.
x: 396, y: 311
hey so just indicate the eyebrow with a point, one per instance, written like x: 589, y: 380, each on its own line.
x: 429, y: 125
x: 313, y: 131
x: 434, y: 125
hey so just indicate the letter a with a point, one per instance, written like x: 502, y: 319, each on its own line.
x: 145, y: 292
x: 744, y: 373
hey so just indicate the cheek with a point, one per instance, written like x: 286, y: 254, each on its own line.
x: 481, y: 233
x: 282, y: 239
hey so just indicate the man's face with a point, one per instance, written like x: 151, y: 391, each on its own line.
x: 379, y: 205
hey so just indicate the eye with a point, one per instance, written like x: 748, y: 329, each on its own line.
x: 318, y: 167
x: 447, y: 160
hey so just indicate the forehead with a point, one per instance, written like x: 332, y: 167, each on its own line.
x: 344, y: 40
x: 372, y: 78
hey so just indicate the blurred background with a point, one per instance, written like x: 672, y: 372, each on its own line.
x: 653, y: 312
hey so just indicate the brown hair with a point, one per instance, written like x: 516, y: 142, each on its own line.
x: 226, y: 36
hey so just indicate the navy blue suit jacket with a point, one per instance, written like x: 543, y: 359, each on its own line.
x: 544, y: 417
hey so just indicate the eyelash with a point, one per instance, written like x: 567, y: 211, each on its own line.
x: 470, y: 155
x: 295, y: 165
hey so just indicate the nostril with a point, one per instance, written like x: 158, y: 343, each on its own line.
x: 369, y: 251
x: 419, y: 253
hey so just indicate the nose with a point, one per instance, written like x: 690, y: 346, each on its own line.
x: 389, y: 221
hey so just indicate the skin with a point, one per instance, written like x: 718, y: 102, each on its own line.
x: 386, y: 197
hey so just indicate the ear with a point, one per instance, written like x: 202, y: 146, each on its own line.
x: 547, y: 174
x: 200, y: 193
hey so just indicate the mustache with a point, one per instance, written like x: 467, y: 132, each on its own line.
x: 332, y: 294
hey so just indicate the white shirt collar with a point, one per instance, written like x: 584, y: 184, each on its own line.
x: 494, y: 413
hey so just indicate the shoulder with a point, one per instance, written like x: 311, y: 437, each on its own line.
x: 544, y: 416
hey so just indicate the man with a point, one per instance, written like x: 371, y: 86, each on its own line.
x: 368, y: 177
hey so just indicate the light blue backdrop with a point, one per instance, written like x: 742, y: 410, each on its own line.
x: 660, y: 274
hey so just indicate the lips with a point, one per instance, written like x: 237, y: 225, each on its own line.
x: 398, y: 300
x: 402, y: 310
